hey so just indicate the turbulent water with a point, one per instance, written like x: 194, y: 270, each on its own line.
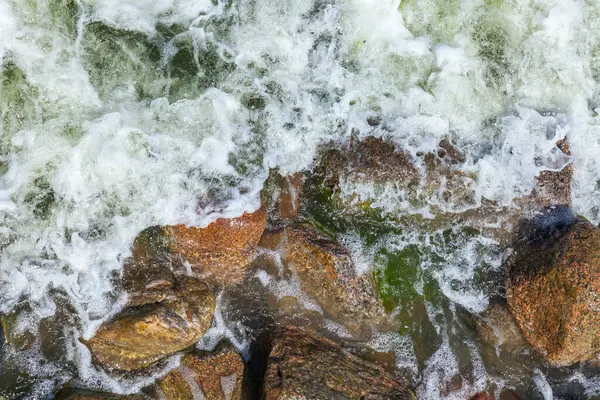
x: 117, y: 115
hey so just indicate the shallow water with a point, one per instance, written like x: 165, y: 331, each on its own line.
x: 120, y: 115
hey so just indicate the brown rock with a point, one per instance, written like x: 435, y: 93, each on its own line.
x: 327, y: 274
x: 497, y: 327
x: 372, y: 159
x: 303, y: 366
x: 288, y: 203
x: 482, y: 396
x: 221, y: 251
x: 218, y: 375
x: 553, y: 287
x: 552, y: 187
x: 83, y: 394
x: 141, y: 335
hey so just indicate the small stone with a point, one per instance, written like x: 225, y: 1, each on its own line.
x: 303, y: 366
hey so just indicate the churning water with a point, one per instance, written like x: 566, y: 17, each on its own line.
x: 117, y: 115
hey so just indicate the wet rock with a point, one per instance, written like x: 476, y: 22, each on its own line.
x: 221, y: 251
x: 369, y: 159
x: 552, y: 187
x: 83, y: 394
x: 482, y: 396
x: 217, y: 375
x: 15, y: 333
x: 150, y: 265
x: 143, y: 334
x: 282, y: 197
x: 327, y: 275
x: 553, y: 286
x: 497, y: 327
x: 304, y: 366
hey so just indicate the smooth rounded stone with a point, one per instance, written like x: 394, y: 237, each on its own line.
x: 141, y: 335
x: 497, y: 327
x: 221, y: 251
x: 327, y: 275
x: 553, y: 286
x: 303, y: 366
x: 215, y: 375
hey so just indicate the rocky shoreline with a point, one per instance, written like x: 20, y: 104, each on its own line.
x: 551, y: 285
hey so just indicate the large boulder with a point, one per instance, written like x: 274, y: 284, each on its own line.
x: 553, y: 286
x: 146, y: 332
x: 221, y: 251
x: 217, y: 375
x: 304, y: 366
x: 327, y: 275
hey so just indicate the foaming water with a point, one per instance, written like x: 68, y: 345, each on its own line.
x: 120, y: 115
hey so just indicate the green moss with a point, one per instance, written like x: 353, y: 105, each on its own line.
x: 191, y: 75
x: 18, y: 101
x: 41, y: 197
x: 122, y: 63
x: 396, y: 275
x: 493, y: 42
x: 435, y: 18
x: 65, y: 13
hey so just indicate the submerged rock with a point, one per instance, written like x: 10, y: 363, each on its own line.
x: 553, y: 286
x: 216, y: 375
x: 145, y: 333
x: 327, y: 275
x: 497, y: 327
x: 304, y: 366
x: 221, y: 251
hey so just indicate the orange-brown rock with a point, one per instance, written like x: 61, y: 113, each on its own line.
x: 221, y: 251
x: 143, y: 334
x: 303, y: 366
x: 217, y: 375
x: 327, y: 275
x: 553, y: 287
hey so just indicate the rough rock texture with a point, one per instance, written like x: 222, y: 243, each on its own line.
x: 327, y: 274
x: 221, y: 251
x: 497, y: 327
x: 553, y: 287
x: 303, y: 366
x: 145, y: 333
x: 372, y: 159
x: 218, y: 375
